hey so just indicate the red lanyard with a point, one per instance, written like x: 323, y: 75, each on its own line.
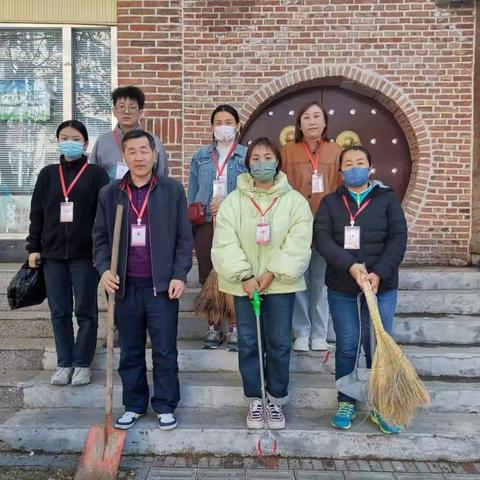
x: 310, y: 156
x: 263, y: 213
x: 221, y: 169
x: 140, y: 213
x: 359, y: 211
x: 66, y: 192
x: 116, y: 137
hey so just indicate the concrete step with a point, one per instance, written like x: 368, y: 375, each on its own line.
x: 439, y: 278
x: 223, y: 390
x: 431, y: 437
x: 419, y: 329
x: 39, y: 353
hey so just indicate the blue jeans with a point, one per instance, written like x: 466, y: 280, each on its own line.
x: 67, y: 280
x: 136, y: 312
x: 276, y: 326
x: 344, y: 310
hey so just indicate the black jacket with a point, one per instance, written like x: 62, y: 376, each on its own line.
x: 171, y: 240
x: 383, y: 237
x: 64, y: 241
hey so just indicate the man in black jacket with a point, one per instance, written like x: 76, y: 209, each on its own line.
x: 155, y: 258
x: 361, y: 231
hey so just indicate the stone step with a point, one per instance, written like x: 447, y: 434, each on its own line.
x: 439, y: 278
x: 420, y: 329
x: 449, y: 361
x: 222, y: 390
x: 432, y: 436
x: 459, y: 302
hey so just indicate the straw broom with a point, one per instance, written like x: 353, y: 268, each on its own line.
x: 395, y: 390
x: 215, y: 304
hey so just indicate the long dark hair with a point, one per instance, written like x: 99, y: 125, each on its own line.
x: 303, y: 109
x: 265, y: 142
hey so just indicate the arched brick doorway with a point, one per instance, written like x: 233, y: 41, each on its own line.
x: 353, y: 119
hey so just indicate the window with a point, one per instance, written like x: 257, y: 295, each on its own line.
x: 46, y: 75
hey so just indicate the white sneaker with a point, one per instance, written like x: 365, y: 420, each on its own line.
x: 81, y: 376
x: 301, y: 344
x: 319, y: 344
x: 62, y: 376
x: 166, y: 421
x: 127, y: 420
x: 275, y: 416
x: 255, y: 419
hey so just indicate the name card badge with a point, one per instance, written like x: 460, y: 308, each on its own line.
x: 121, y: 170
x: 220, y: 188
x: 352, y: 238
x: 317, y: 183
x: 66, y: 212
x: 263, y: 233
x: 139, y: 236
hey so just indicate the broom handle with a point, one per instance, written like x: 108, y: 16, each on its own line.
x: 373, y: 308
x: 111, y: 312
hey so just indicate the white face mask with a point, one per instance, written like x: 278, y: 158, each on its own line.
x: 224, y: 133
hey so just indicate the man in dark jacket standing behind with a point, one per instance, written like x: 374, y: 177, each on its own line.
x: 156, y: 245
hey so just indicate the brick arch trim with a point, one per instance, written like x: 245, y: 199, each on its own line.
x: 370, y: 84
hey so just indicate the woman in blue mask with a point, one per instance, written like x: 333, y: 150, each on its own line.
x: 361, y: 231
x: 262, y: 242
x: 62, y: 213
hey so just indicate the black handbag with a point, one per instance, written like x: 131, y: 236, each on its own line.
x: 27, y: 287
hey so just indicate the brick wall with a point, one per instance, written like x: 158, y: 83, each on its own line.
x: 234, y: 49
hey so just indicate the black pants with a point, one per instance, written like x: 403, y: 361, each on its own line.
x: 67, y: 280
x: 202, y: 237
x: 136, y: 312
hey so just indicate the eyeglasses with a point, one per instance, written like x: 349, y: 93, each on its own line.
x: 124, y: 108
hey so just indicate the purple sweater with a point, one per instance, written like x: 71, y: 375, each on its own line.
x: 139, y: 263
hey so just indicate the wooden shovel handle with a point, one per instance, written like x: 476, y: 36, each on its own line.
x: 111, y: 312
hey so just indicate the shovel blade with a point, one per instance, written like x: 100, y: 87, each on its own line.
x: 267, y: 444
x: 102, y: 453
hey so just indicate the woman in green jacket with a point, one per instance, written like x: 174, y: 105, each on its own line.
x: 262, y: 242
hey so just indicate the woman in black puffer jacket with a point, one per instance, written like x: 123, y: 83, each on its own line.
x: 361, y: 231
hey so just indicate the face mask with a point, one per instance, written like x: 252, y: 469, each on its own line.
x: 356, y: 176
x: 263, y: 171
x: 71, y: 149
x: 224, y: 133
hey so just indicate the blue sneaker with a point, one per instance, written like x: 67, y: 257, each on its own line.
x: 382, y: 425
x: 346, y: 412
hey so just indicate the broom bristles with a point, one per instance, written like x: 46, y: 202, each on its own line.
x: 217, y: 305
x: 395, y: 390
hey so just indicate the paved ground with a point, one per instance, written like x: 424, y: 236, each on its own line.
x: 15, y: 466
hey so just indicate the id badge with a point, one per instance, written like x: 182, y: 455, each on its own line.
x: 121, y: 170
x: 66, y: 212
x: 352, y: 238
x: 139, y: 236
x: 219, y: 188
x: 317, y: 183
x: 263, y: 233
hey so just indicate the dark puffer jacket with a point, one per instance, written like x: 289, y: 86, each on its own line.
x: 383, y: 237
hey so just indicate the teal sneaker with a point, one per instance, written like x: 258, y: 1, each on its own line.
x: 382, y: 425
x: 346, y: 412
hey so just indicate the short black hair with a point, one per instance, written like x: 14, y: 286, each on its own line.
x: 131, y: 92
x: 225, y: 108
x: 265, y: 142
x: 138, y: 134
x: 77, y: 125
x: 356, y: 148
x: 298, y: 120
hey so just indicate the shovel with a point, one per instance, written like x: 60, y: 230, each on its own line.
x: 268, y: 440
x: 103, y: 447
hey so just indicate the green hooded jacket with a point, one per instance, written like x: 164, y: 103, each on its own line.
x: 235, y: 252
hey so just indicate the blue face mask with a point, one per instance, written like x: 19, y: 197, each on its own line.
x: 356, y: 176
x: 263, y: 171
x: 71, y: 149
